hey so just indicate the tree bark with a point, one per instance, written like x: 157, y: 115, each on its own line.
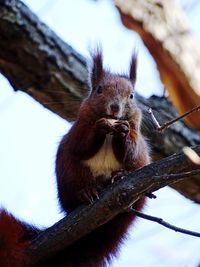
x: 39, y: 63
x: 175, y: 50
x: 35, y: 60
x: 113, y: 200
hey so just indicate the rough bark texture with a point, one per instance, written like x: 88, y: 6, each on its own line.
x: 115, y: 199
x: 162, y: 26
x: 172, y: 140
x: 37, y: 62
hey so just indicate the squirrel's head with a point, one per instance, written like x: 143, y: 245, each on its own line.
x: 112, y: 95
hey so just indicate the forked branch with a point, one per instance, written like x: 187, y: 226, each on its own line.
x: 114, y: 200
x: 163, y: 223
x: 161, y: 128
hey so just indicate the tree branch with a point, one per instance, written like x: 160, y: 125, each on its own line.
x: 192, y: 155
x: 161, y: 128
x: 42, y: 65
x: 175, y: 50
x: 163, y: 223
x: 113, y: 200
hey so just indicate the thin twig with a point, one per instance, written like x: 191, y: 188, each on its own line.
x: 119, y: 196
x: 160, y: 128
x: 164, y: 223
x: 155, y: 121
x: 178, y: 175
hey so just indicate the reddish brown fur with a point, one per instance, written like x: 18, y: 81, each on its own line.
x: 83, y: 141
x: 14, y: 236
x: 110, y: 98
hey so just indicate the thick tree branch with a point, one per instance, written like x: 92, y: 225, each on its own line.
x: 175, y: 50
x: 115, y: 199
x: 39, y: 63
x: 36, y: 61
x: 172, y: 140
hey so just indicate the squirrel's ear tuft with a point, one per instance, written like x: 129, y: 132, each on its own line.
x: 133, y: 68
x: 97, y: 67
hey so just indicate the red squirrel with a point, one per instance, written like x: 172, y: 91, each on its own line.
x: 104, y: 140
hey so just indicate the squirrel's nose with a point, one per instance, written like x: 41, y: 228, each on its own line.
x: 115, y: 107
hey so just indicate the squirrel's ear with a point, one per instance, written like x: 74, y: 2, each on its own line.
x: 133, y: 68
x: 97, y: 67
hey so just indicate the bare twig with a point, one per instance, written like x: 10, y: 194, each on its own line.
x: 164, y: 223
x: 160, y: 128
x: 168, y: 49
x: 113, y: 200
x: 155, y: 121
x: 178, y: 175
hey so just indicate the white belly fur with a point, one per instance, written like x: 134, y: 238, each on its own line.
x: 104, y: 161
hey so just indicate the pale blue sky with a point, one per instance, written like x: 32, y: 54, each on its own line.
x: 30, y: 135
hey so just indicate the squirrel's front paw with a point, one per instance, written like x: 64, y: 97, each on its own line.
x: 121, y: 128
x: 118, y: 175
x: 88, y: 195
x: 103, y: 126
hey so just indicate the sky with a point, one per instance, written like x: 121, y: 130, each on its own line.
x: 30, y: 135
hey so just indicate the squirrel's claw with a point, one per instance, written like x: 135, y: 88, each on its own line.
x: 88, y: 195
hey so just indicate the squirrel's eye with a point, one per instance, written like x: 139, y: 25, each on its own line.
x: 99, y: 89
x: 131, y: 96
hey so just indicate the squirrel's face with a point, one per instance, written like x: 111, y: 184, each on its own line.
x: 113, y: 98
x: 111, y: 94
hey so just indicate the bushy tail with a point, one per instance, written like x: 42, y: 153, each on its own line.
x: 14, y: 239
x: 94, y: 250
